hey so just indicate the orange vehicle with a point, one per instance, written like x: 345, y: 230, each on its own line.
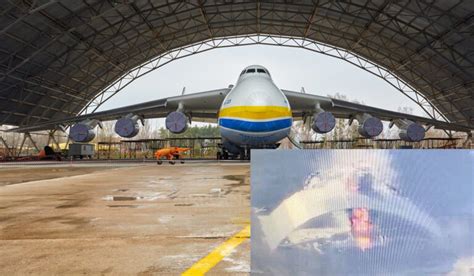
x: 170, y: 154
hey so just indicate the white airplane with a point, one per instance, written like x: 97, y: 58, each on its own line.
x: 254, y: 113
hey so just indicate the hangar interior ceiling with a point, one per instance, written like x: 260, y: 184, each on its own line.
x: 56, y: 56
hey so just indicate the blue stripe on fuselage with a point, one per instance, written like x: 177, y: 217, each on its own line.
x: 249, y: 126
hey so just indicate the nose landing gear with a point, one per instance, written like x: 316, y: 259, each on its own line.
x: 244, y: 153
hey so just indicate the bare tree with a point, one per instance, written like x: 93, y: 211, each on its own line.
x: 106, y: 133
x: 147, y: 131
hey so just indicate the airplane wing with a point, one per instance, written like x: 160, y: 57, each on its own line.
x: 302, y: 103
x: 203, y: 107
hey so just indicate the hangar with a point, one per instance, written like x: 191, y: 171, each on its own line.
x: 62, y: 58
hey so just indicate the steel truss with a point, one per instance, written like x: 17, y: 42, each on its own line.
x: 16, y: 149
x: 56, y: 57
x: 269, y: 40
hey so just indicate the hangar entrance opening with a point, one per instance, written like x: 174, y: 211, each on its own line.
x: 265, y: 40
x: 65, y: 58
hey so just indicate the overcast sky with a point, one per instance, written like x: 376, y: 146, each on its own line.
x: 291, y: 68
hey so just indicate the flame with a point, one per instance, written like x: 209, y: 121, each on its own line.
x: 361, y: 228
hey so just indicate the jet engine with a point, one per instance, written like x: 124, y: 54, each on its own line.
x: 323, y: 122
x: 127, y: 127
x: 369, y: 126
x: 411, y: 131
x: 83, y: 132
x: 177, y: 122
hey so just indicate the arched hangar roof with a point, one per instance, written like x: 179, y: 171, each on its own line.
x: 56, y: 55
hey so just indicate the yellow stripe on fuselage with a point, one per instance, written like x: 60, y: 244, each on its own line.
x: 255, y: 112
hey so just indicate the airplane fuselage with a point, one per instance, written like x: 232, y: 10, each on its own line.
x: 255, y: 112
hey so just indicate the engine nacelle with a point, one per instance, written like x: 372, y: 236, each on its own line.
x: 323, y: 122
x: 411, y: 132
x: 177, y: 122
x: 82, y: 132
x: 127, y: 127
x: 369, y: 126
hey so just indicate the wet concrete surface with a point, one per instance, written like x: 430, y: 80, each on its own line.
x: 145, y: 220
x: 20, y: 174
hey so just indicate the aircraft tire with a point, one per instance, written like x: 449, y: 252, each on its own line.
x: 159, y: 162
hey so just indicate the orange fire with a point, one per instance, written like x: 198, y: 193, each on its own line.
x: 361, y: 227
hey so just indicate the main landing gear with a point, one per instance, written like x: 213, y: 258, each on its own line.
x: 224, y: 154
x: 171, y: 159
x: 172, y: 162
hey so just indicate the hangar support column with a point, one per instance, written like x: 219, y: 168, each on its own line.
x: 8, y: 150
x: 52, y: 138
x: 469, y: 143
x: 26, y: 135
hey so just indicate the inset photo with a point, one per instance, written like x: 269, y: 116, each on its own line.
x: 362, y: 212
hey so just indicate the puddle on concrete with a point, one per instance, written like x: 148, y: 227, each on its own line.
x: 184, y: 204
x: 122, y: 206
x: 216, y: 191
x: 71, y: 204
x: 75, y: 221
x: 239, y: 178
x: 124, y: 198
x: 78, y: 221
x: 149, y: 197
x: 119, y: 198
x: 66, y: 206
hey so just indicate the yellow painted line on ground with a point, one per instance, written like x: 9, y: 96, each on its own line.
x: 205, y: 264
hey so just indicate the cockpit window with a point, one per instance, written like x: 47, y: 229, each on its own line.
x: 253, y: 70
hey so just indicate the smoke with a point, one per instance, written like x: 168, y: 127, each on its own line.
x: 348, y: 180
